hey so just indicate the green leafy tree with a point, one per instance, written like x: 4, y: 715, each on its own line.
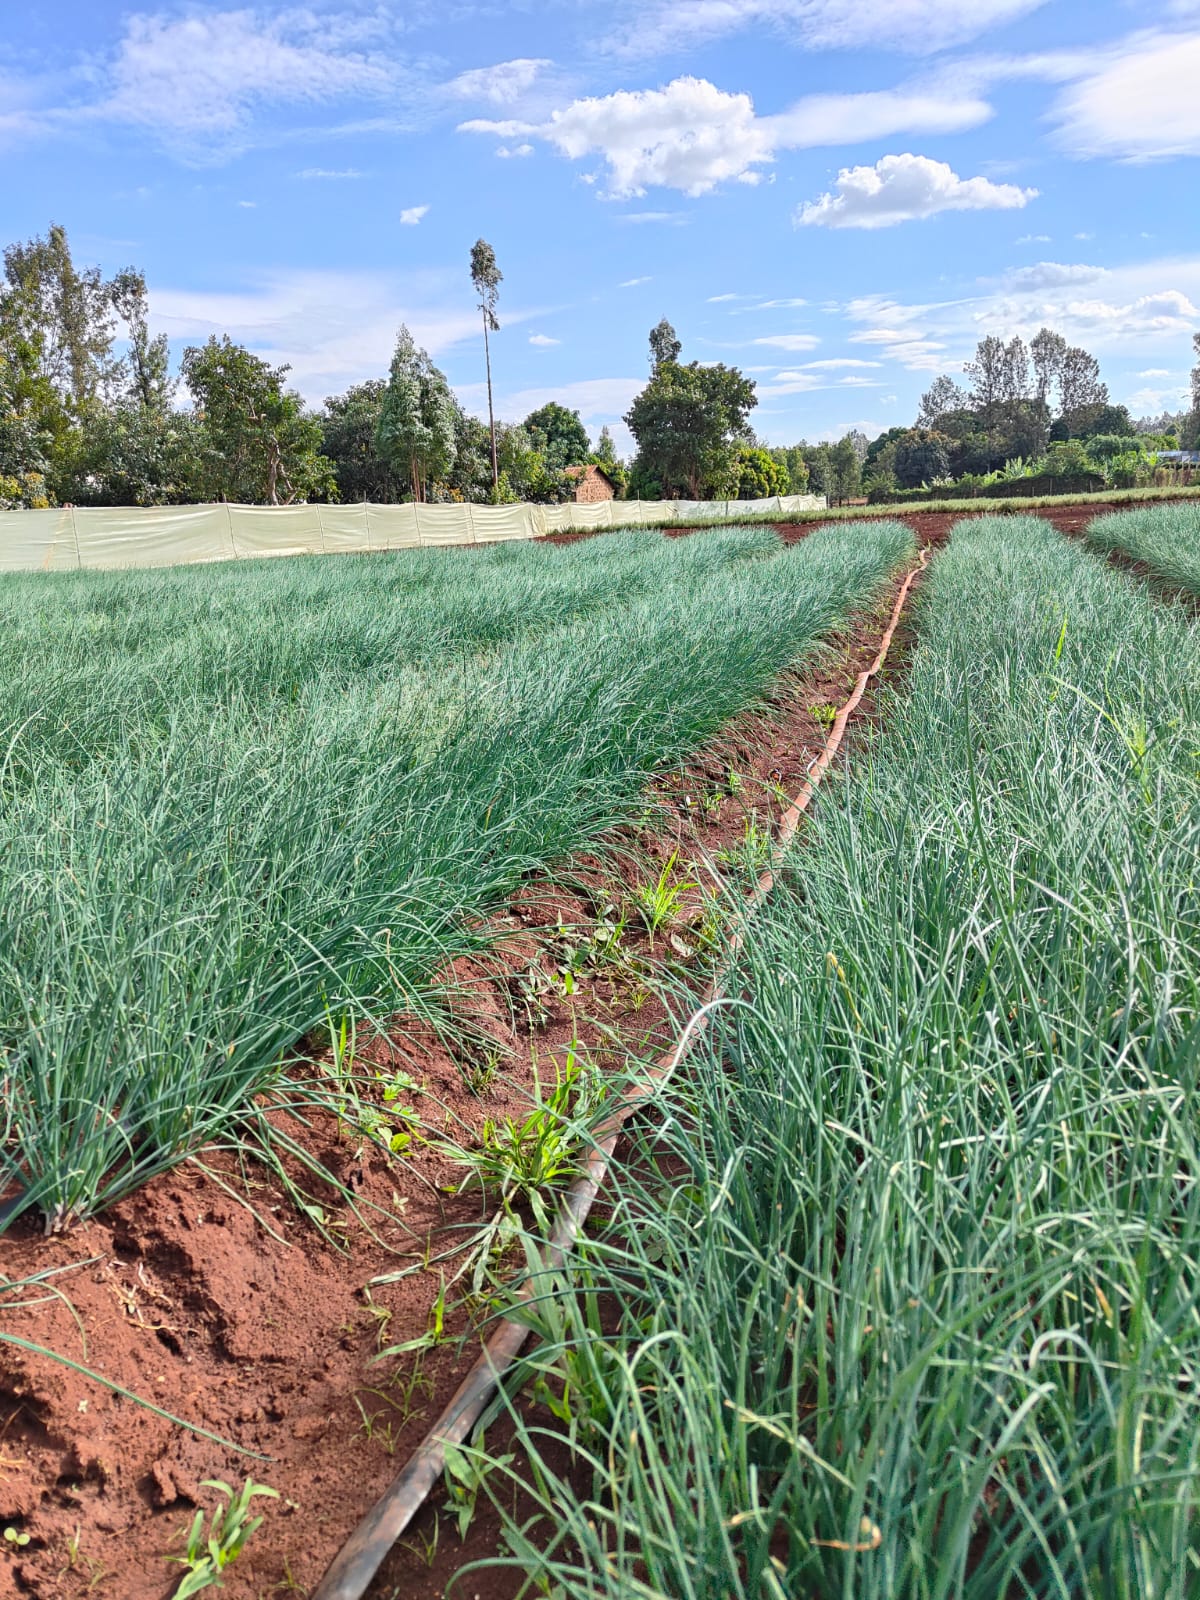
x: 487, y: 278
x: 845, y: 470
x: 942, y: 396
x: 759, y: 474
x: 524, y: 467
x: 606, y: 449
x: 793, y: 459
x: 1079, y: 385
x: 605, y: 457
x: 665, y: 345
x: 920, y: 456
x: 879, y: 470
x: 1068, y: 458
x: 470, y: 474
x: 32, y: 417
x: 1102, y: 448
x: 63, y: 312
x: 1047, y: 351
x: 820, y: 470
x: 1085, y: 422
x: 146, y: 366
x: 258, y: 444
x: 880, y: 443
x: 349, y: 439
x: 1191, y: 428
x: 415, y: 432
x: 137, y: 455
x: 559, y: 434
x: 689, y: 422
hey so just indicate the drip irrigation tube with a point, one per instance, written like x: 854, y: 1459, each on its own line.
x: 353, y: 1568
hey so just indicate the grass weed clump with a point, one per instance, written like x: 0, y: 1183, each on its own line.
x: 917, y: 1310
x: 239, y: 802
x: 1165, y: 538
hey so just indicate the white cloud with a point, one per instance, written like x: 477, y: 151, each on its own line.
x: 837, y: 361
x: 787, y: 304
x: 1155, y: 372
x: 331, y: 328
x: 634, y: 283
x: 692, y: 136
x: 329, y: 173
x: 1052, y: 275
x: 514, y: 152
x: 833, y: 119
x: 671, y: 219
x: 789, y: 341
x: 1138, y: 104
x: 720, y: 299
x: 248, y: 205
x: 543, y: 341
x: 199, y: 77
x: 1147, y: 310
x: 598, y: 401
x: 412, y: 215
x: 918, y: 26
x: 1153, y: 401
x: 502, y: 84
x: 1167, y: 311
x: 905, y: 188
x: 1034, y: 238
x: 902, y: 333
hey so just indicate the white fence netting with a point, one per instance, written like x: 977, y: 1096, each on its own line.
x: 65, y: 540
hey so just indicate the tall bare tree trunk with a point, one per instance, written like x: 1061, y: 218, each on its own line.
x: 487, y: 353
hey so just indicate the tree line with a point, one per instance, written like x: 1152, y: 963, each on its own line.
x: 90, y: 414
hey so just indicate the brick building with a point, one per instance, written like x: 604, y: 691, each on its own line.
x: 591, y: 484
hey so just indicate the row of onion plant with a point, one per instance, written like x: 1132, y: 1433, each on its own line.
x: 899, y: 1291
x: 1165, y: 538
x: 192, y: 880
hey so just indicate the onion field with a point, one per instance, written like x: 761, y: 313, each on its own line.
x: 1165, y: 538
x: 899, y: 1295
x: 238, y: 802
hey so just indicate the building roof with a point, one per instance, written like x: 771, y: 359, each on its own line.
x: 582, y: 472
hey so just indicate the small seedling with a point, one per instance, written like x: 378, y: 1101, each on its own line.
x: 465, y: 1475
x: 660, y: 901
x: 342, y: 1045
x: 15, y: 1538
x: 230, y: 1528
x: 754, y: 852
x: 482, y: 1074
x: 824, y: 715
x: 433, y: 1335
x: 375, y: 1431
x: 523, y: 1158
x: 423, y: 1546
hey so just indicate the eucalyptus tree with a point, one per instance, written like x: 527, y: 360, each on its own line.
x: 415, y: 434
x: 487, y: 278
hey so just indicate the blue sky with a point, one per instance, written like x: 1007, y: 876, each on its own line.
x: 839, y: 198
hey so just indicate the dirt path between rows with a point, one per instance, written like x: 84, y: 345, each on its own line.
x: 257, y: 1328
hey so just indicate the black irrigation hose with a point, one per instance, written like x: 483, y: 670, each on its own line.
x: 352, y: 1569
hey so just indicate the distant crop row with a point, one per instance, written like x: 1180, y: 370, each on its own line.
x: 909, y: 1266
x: 1166, y: 538
x: 237, y: 802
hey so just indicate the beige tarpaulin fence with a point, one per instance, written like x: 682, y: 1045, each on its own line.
x: 65, y: 540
